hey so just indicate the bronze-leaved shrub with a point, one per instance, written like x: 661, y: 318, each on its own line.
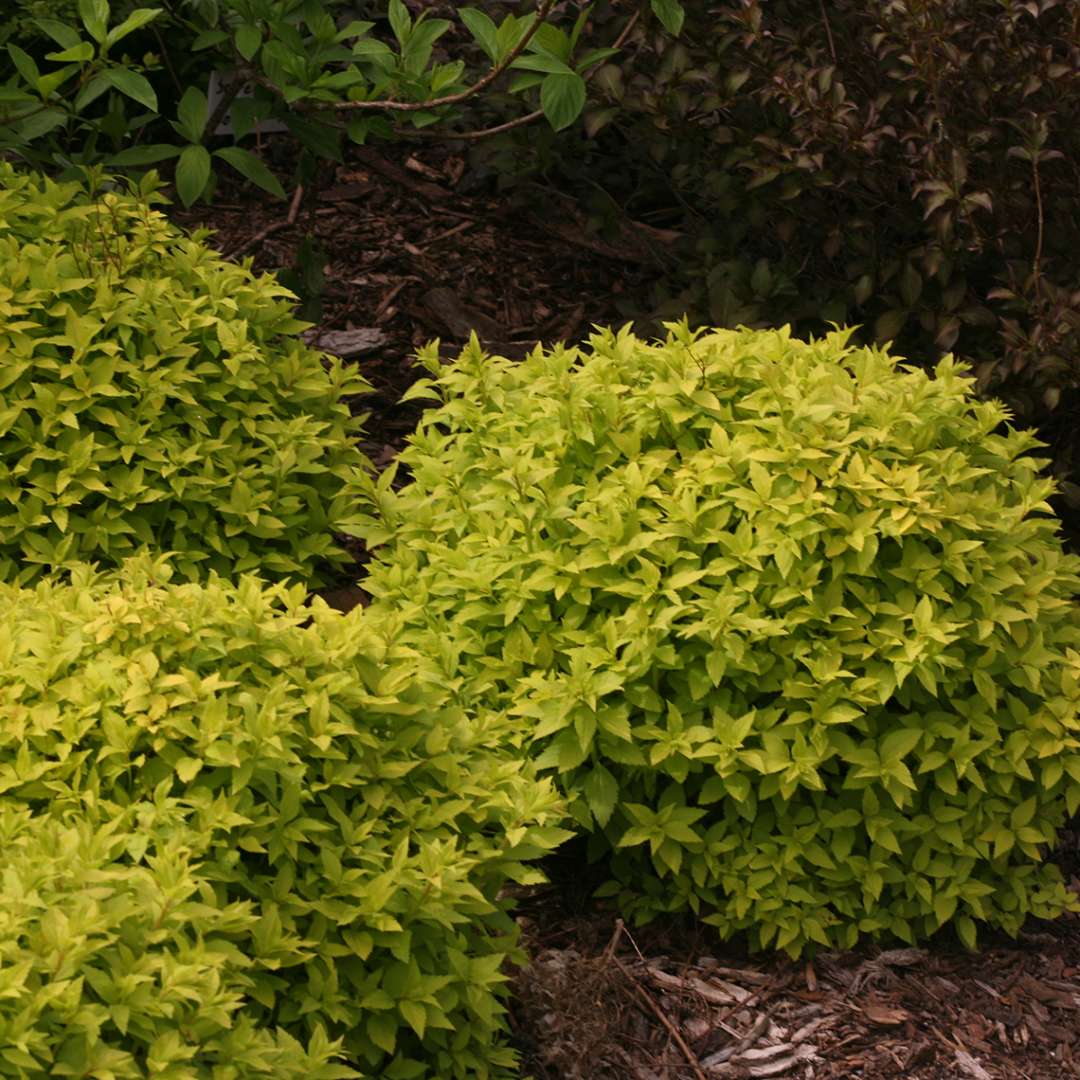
x: 152, y: 393
x: 791, y: 622
x: 346, y: 817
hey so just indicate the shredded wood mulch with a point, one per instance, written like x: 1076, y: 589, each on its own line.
x: 637, y: 1008
x: 417, y: 246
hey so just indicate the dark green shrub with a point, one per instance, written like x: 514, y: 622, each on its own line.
x: 326, y: 776
x: 791, y: 623
x: 315, y: 67
x: 153, y: 393
x: 117, y: 960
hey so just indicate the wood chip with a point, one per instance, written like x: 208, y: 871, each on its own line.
x: 346, y: 343
x: 808, y: 1029
x: 755, y: 978
x: 418, y: 166
x: 902, y: 957
x: 454, y: 316
x: 716, y: 990
x: 1047, y: 993
x: 970, y: 1067
x: 775, y: 1067
x: 454, y: 167
x: 766, y: 1053
x: 344, y: 192
x: 884, y: 1015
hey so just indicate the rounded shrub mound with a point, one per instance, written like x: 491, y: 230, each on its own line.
x: 114, y: 965
x: 154, y: 393
x: 791, y: 622
x: 321, y: 775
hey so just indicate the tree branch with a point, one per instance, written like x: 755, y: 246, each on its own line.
x: 520, y: 121
x: 228, y: 95
x: 473, y: 136
x: 542, y: 11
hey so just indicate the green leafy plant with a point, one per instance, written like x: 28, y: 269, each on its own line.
x: 118, y: 959
x: 153, y: 393
x: 322, y: 77
x: 34, y: 111
x: 790, y: 622
x: 351, y: 822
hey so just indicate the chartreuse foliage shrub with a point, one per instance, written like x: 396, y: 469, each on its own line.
x: 790, y: 622
x: 153, y: 393
x: 350, y: 826
x: 117, y: 960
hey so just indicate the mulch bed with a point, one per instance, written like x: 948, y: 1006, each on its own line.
x: 418, y: 247
x: 641, y: 1006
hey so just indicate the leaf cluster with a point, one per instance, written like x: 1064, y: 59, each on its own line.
x: 117, y: 959
x: 789, y: 622
x: 307, y: 65
x: 234, y: 823
x: 155, y: 394
x: 21, y: 25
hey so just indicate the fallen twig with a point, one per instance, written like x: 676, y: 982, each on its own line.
x: 609, y: 950
x: 294, y: 206
x: 446, y: 234
x: 759, y: 1027
x: 659, y: 1013
x: 388, y: 299
x: 254, y: 241
x: 273, y: 227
